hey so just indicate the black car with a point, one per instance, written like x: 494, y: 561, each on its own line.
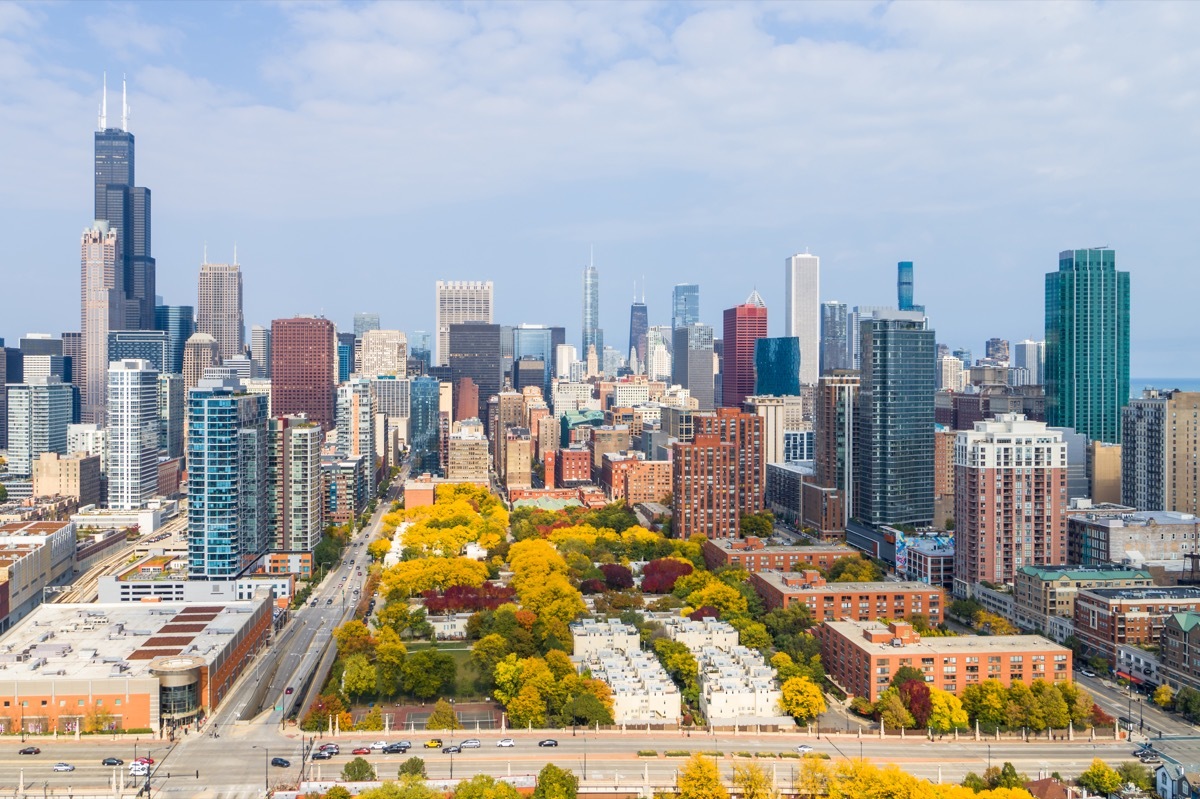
x: 322, y: 754
x: 112, y: 761
x: 395, y: 749
x: 30, y: 750
x: 280, y: 762
x: 548, y: 742
x: 451, y: 750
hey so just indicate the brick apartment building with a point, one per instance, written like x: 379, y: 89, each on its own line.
x: 848, y: 601
x: 753, y: 554
x: 1106, y: 618
x: 628, y: 477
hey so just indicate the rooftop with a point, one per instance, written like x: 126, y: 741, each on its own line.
x: 751, y: 544
x: 31, y: 529
x: 1108, y: 572
x: 853, y: 631
x: 1186, y: 620
x: 1180, y: 592
x: 100, y: 640
x: 779, y: 579
x: 1141, y: 518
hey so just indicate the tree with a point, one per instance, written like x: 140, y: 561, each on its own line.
x: 854, y: 569
x: 1100, y: 778
x: 389, y: 662
x: 659, y: 576
x: 414, y: 766
x: 527, y: 708
x: 987, y: 703
x: 906, y: 674
x: 701, y: 779
x: 1163, y: 696
x: 801, y: 698
x: 724, y: 598
x: 482, y: 786
x: 98, y: 719
x: 353, y: 638
x: 974, y: 782
x: 372, y: 722
x: 428, y: 673
x: 917, y: 698
x: 487, y: 652
x: 752, y: 634
x: 358, y: 770
x: 1135, y: 773
x: 337, y: 792
x: 379, y: 548
x: 1054, y: 708
x: 1079, y: 701
x: 359, y: 678
x: 760, y: 524
x: 946, y: 712
x: 587, y: 709
x: 616, y: 576
x: 753, y: 782
x: 1005, y: 777
x: 443, y: 717
x: 892, y: 712
x: 555, y: 783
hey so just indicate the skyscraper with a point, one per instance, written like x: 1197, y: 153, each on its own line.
x: 424, y: 425
x: 145, y: 345
x: 294, y: 474
x: 996, y: 349
x: 103, y: 309
x: 776, y: 367
x: 745, y: 324
x: 474, y: 351
x: 345, y: 346
x: 356, y: 423
x: 802, y: 314
x: 199, y: 354
x: 38, y: 416
x: 1030, y: 355
x: 1010, y: 500
x: 835, y: 345
x: 1159, y: 451
x: 535, y: 343
x: 228, y: 497
x: 219, y: 307
x: 260, y: 351
x: 837, y: 407
x: 719, y: 474
x: 592, y: 334
x: 459, y: 301
x: 364, y: 322
x: 1087, y: 343
x: 893, y: 451
x: 692, y: 367
x: 303, y: 368
x: 685, y: 305
x: 904, y: 285
x: 171, y: 412
x: 639, y: 324
x: 384, y: 352
x: 179, y: 323
x: 133, y: 433
x: 126, y: 209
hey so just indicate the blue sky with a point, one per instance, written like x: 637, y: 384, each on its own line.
x: 357, y: 152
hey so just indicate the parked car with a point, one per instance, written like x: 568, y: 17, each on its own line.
x: 30, y: 750
x: 362, y: 750
x: 433, y: 743
x: 322, y: 754
x: 548, y: 742
x: 451, y: 750
x: 470, y: 743
x: 506, y: 742
x: 1087, y: 672
x: 63, y: 767
x: 279, y: 762
x: 112, y: 761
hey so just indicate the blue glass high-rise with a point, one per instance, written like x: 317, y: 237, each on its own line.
x: 179, y: 323
x: 146, y: 345
x: 685, y: 305
x: 536, y: 342
x: 424, y: 425
x: 777, y: 366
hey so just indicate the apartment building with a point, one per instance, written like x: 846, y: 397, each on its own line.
x: 1106, y: 618
x: 753, y: 554
x: 840, y: 601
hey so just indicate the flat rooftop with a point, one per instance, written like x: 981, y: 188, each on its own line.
x: 32, y: 529
x: 1170, y: 592
x: 102, y: 640
x: 853, y: 631
x: 778, y: 579
x: 728, y: 545
x: 1141, y: 518
x: 1111, y: 572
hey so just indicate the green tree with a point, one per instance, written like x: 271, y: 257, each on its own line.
x: 358, y: 770
x: 974, y: 782
x: 1135, y: 773
x: 585, y: 709
x: 428, y: 673
x: 482, y: 786
x: 443, y: 717
x: 760, y: 524
x: 359, y: 678
x: 1163, y: 696
x: 892, y: 712
x: 1005, y: 777
x: 555, y: 783
x: 905, y: 674
x: 414, y: 766
x: 854, y: 569
x: 389, y: 662
x: 701, y: 779
x: 1100, y: 778
x: 1054, y: 708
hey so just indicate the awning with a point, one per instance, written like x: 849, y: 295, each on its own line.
x: 1130, y: 677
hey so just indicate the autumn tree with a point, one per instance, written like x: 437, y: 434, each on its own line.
x: 801, y: 698
x: 415, y: 576
x: 1100, y: 778
x: 389, y: 662
x: 483, y: 786
x: 854, y: 569
x: 555, y: 783
x: 353, y: 638
x: 945, y: 712
x: 443, y: 717
x: 701, y: 779
x: 916, y: 697
x: 892, y: 712
x: 1163, y: 696
x: 616, y: 576
x: 753, y: 782
x: 359, y: 677
x: 728, y: 600
x: 659, y: 576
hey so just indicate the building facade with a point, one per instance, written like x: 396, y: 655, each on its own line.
x: 745, y: 325
x: 424, y: 427
x: 219, y: 307
x: 1160, y: 447
x: 39, y: 414
x: 848, y: 601
x: 1043, y: 592
x: 692, y: 363
x: 802, y: 311
x: 777, y: 366
x: 1107, y: 618
x: 458, y: 301
x: 103, y: 309
x: 835, y: 344
x: 133, y: 434
x: 685, y: 305
x: 834, y: 420
x: 296, y: 521
x: 304, y: 369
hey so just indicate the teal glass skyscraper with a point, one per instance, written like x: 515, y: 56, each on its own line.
x: 426, y: 452
x: 777, y: 366
x: 1087, y: 343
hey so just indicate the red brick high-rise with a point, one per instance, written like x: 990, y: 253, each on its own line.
x: 744, y: 325
x: 304, y: 369
x: 719, y: 475
x: 745, y: 432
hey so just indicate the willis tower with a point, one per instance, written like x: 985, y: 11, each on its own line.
x: 126, y: 208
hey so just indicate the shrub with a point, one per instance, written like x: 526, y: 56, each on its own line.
x: 647, y: 753
x: 677, y: 753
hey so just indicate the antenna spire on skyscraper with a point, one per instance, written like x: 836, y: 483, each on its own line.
x: 124, y: 107
x: 104, y: 104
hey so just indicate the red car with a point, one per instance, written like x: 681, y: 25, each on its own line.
x: 362, y: 750
x: 149, y: 761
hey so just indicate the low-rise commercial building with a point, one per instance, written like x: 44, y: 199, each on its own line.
x: 838, y: 601
x: 754, y: 554
x: 1179, y: 654
x: 1106, y: 618
x: 862, y: 657
x: 141, y: 666
x: 1040, y: 592
x: 930, y: 562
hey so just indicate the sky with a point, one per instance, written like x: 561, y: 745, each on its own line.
x: 355, y: 153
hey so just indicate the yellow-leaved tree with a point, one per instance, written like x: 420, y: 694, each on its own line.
x: 801, y: 698
x: 701, y: 779
x: 422, y: 574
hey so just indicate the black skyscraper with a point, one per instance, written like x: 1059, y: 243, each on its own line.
x: 475, y: 353
x: 126, y: 208
x: 639, y: 324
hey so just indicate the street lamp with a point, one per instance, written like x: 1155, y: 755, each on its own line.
x: 585, y: 753
x: 266, y: 768
x: 989, y: 746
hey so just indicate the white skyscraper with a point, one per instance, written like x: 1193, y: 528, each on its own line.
x: 219, y: 306
x: 133, y: 433
x: 459, y: 301
x: 260, y: 351
x: 564, y: 356
x: 384, y: 352
x: 802, y: 311
x: 1030, y: 355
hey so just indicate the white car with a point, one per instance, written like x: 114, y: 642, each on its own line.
x: 63, y: 767
x: 804, y: 748
x: 1087, y: 672
x: 379, y: 744
x: 506, y: 742
x: 138, y: 769
x: 470, y: 743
